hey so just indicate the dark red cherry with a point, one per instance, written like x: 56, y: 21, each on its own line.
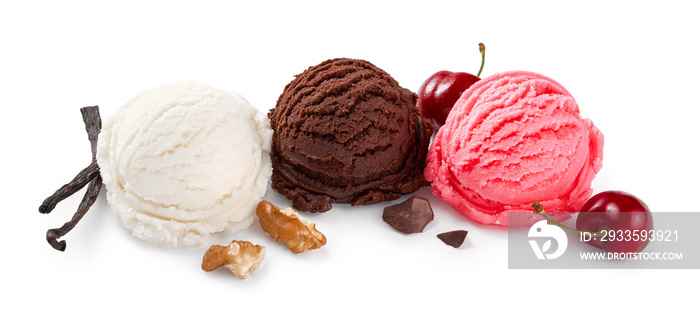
x: 613, y: 221
x: 439, y: 92
x: 623, y: 220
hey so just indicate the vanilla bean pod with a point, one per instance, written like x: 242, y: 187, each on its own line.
x: 89, y: 175
x: 79, y: 181
x: 91, y: 194
x: 93, y: 126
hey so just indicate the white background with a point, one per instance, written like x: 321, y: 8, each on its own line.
x: 632, y: 66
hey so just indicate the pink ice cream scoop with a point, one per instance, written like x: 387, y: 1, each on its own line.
x: 511, y: 139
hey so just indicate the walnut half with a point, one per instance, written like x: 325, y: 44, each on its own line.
x: 241, y: 257
x: 286, y: 226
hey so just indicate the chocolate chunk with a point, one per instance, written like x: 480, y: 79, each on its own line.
x: 454, y: 238
x: 410, y: 216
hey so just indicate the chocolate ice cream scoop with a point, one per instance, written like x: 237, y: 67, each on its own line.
x: 346, y: 132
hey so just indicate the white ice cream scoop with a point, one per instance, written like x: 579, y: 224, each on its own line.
x: 183, y: 161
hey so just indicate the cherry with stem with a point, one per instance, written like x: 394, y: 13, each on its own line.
x: 438, y: 94
x: 613, y: 221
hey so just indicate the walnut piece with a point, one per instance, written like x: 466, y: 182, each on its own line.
x: 241, y: 257
x: 286, y: 226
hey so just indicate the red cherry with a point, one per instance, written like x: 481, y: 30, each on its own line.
x: 624, y: 220
x: 440, y: 91
x: 613, y: 221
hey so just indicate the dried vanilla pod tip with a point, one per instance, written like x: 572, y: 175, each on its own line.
x: 286, y: 226
x: 89, y: 176
x: 410, y: 216
x: 240, y: 257
x: 454, y: 238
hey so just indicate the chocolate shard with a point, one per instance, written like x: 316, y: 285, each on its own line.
x: 410, y: 216
x: 454, y: 238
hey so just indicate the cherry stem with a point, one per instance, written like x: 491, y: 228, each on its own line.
x: 540, y: 209
x: 482, y: 49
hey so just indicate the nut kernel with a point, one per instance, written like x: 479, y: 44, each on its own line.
x: 240, y: 257
x: 286, y: 226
